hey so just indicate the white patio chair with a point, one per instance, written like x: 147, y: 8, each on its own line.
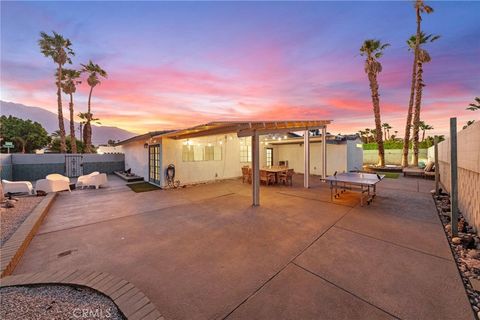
x: 17, y: 187
x: 94, y: 179
x: 53, y: 183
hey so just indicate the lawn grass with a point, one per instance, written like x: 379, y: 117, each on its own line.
x: 390, y: 175
x: 142, y: 187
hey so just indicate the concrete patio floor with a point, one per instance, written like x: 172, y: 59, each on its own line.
x: 203, y: 252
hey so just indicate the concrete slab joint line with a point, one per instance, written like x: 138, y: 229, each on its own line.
x: 13, y: 250
x: 132, y: 303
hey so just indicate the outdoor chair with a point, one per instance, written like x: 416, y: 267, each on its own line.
x: 246, y: 174
x: 266, y: 177
x: 17, y: 187
x: 94, y: 179
x: 286, y: 177
x: 53, y: 183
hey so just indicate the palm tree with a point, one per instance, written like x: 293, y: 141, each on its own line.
x: 424, y: 127
x: 475, y: 105
x: 58, y: 48
x: 83, y: 120
x: 94, y: 72
x: 472, y: 107
x: 386, y: 130
x: 420, y: 7
x: 373, y: 49
x: 423, y: 57
x: 69, y: 86
x: 367, y: 135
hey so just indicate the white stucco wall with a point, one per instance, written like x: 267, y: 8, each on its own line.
x: 136, y: 158
x: 336, y: 157
x: 189, y: 172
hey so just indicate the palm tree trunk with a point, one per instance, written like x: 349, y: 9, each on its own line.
x: 73, y: 140
x: 423, y: 135
x: 87, y: 129
x: 61, y: 125
x: 408, y: 125
x: 378, y: 123
x: 416, y: 117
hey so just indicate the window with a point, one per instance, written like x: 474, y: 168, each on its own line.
x: 245, y: 150
x: 269, y: 157
x: 209, y: 153
x: 199, y: 152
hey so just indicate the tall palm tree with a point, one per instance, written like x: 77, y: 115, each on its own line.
x: 69, y: 86
x: 424, y: 127
x: 373, y: 50
x: 423, y: 57
x: 59, y: 49
x: 420, y: 7
x: 94, y: 72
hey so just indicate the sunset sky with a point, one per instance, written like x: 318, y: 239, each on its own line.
x: 177, y: 64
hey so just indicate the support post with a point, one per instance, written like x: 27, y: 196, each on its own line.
x: 453, y: 176
x: 256, y: 169
x: 324, y: 152
x: 437, y: 167
x: 306, y: 166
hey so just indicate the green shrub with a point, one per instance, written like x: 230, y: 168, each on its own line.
x: 427, y: 143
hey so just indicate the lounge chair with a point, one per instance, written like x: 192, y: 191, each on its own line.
x: 94, y: 179
x: 53, y: 183
x: 428, y: 171
x: 17, y: 187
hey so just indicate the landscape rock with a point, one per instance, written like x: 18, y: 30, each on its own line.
x: 456, y: 240
x: 9, y: 204
x: 473, y: 254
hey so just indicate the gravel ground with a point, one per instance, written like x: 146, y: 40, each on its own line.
x: 12, y: 218
x: 59, y: 302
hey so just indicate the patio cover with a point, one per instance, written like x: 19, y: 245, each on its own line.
x: 246, y: 128
x: 254, y: 129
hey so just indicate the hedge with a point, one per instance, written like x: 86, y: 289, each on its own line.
x: 396, y: 145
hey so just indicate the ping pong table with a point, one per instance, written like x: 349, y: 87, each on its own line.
x: 365, y: 183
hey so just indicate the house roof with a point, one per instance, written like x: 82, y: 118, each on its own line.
x: 144, y: 136
x: 246, y: 128
x: 241, y: 128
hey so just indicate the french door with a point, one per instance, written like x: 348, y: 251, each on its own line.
x: 154, y: 164
x: 269, y: 157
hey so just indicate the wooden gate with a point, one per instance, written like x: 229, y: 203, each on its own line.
x: 73, y: 165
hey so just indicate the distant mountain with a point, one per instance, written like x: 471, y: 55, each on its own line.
x: 49, y: 120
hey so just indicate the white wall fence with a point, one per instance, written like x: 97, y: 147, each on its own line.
x: 18, y: 166
x: 468, y: 157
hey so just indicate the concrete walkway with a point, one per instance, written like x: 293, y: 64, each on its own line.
x: 204, y: 253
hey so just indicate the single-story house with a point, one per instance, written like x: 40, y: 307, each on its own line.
x: 218, y: 150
